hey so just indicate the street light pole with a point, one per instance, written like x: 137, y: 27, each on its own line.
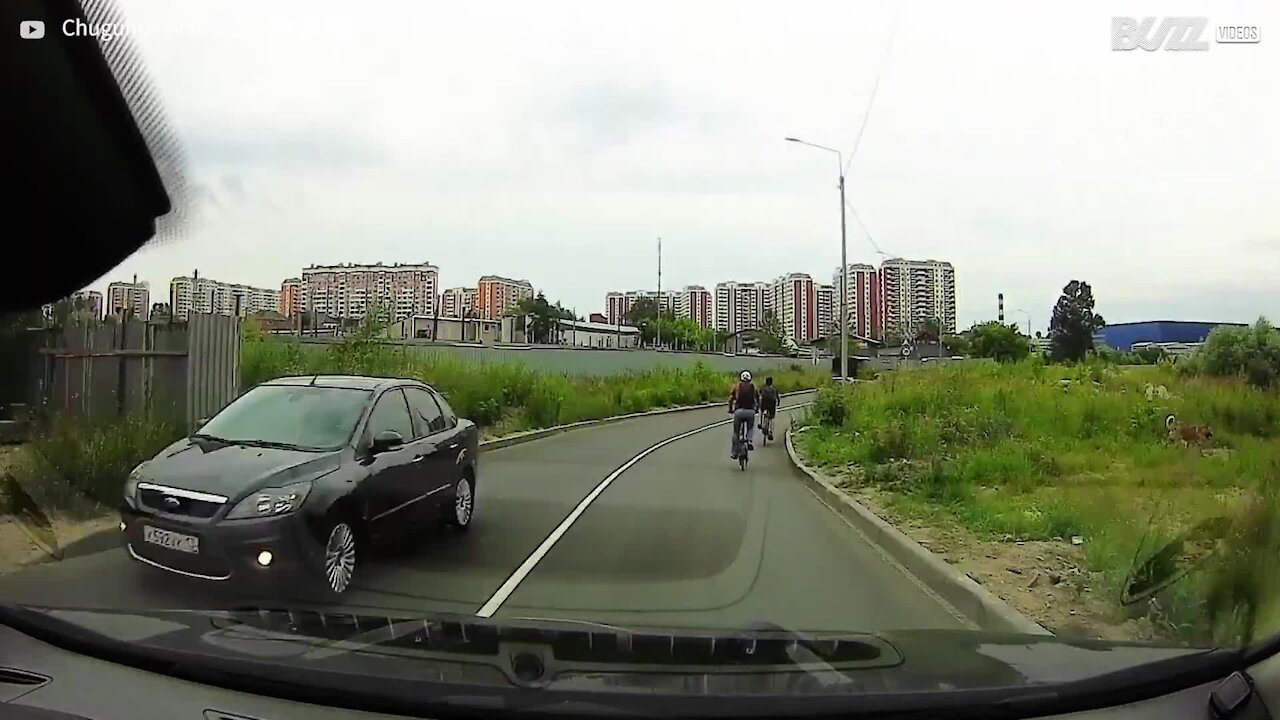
x: 1024, y: 312
x: 844, y: 263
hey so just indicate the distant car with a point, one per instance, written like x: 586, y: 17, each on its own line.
x: 957, y: 357
x: 296, y: 477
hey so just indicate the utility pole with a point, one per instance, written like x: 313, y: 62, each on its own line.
x: 844, y: 283
x: 657, y: 324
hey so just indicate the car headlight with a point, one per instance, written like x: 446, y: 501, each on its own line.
x: 271, y: 501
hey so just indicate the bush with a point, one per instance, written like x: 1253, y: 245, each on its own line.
x: 1251, y: 353
x: 81, y: 459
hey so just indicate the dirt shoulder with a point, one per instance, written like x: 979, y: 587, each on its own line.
x: 1046, y: 581
x: 32, y: 528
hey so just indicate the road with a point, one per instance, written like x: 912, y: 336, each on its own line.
x: 596, y: 524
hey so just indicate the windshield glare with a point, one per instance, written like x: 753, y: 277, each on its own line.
x: 305, y: 416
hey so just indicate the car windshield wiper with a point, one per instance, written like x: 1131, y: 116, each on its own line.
x: 257, y: 443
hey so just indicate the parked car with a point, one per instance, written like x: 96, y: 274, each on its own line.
x: 298, y: 476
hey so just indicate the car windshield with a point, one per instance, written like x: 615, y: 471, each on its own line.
x: 460, y: 318
x: 302, y: 416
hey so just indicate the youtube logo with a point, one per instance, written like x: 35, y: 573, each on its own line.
x: 31, y: 29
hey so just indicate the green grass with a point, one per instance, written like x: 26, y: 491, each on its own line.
x: 507, y: 397
x: 1013, y: 451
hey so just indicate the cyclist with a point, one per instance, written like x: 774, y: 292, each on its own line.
x: 743, y: 400
x: 768, y: 407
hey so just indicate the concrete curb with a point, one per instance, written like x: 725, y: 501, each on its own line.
x: 968, y: 598
x: 531, y: 435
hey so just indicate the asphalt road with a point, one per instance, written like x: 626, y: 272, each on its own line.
x: 575, y: 526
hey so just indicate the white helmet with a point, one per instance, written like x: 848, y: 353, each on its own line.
x: 746, y: 376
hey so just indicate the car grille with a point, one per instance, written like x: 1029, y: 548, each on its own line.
x: 174, y: 501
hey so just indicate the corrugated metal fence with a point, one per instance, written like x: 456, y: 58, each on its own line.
x: 183, y: 371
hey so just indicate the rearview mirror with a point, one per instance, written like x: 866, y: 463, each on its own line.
x: 386, y: 440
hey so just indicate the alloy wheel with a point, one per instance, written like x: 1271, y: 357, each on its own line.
x: 463, y: 503
x: 340, y: 557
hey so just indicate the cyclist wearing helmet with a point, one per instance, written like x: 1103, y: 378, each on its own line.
x: 743, y: 401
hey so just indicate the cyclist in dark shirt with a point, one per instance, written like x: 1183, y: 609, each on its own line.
x: 743, y: 400
x: 768, y: 406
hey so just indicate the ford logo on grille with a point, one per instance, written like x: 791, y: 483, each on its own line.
x: 172, y: 503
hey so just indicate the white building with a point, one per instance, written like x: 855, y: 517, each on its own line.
x: 825, y: 296
x: 458, y: 302
x: 199, y: 295
x: 865, y: 302
x: 578, y: 333
x: 915, y: 291
x: 694, y: 302
x: 134, y: 297
x: 618, y: 304
x: 793, y: 299
x: 346, y: 291
x: 740, y: 306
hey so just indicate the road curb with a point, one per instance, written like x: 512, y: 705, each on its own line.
x: 968, y: 598
x: 531, y: 435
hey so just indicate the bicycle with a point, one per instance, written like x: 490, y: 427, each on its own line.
x: 766, y: 428
x: 744, y: 443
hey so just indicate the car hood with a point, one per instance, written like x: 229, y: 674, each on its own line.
x: 632, y: 669
x: 233, y: 470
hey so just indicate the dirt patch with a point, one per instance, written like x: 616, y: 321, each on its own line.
x: 22, y: 545
x: 1046, y: 581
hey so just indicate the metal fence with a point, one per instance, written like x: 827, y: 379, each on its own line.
x: 182, y: 371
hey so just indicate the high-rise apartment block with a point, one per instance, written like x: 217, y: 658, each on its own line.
x: 496, y: 295
x: 347, y: 291
x: 458, y: 302
x: 740, y: 306
x: 916, y: 291
x: 694, y: 302
x: 131, y: 297
x: 290, y: 297
x: 197, y: 294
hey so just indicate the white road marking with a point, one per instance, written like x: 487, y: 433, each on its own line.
x: 507, y: 588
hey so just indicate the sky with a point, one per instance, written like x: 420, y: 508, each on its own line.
x: 556, y: 141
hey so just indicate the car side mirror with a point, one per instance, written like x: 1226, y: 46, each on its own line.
x: 386, y: 440
x: 201, y: 422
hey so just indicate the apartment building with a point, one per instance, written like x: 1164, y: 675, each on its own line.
x: 793, y: 299
x: 134, y: 297
x: 290, y: 297
x: 347, y: 291
x: 495, y: 295
x: 825, y: 297
x: 199, y: 295
x: 865, y: 302
x: 740, y: 305
x: 915, y: 291
x: 457, y: 302
x: 694, y: 302
x: 618, y: 304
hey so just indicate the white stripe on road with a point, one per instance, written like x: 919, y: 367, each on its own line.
x: 507, y: 588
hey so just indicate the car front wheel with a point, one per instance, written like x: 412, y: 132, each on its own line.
x: 339, y: 557
x: 464, y: 504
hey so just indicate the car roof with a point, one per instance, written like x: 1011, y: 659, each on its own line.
x: 354, y: 382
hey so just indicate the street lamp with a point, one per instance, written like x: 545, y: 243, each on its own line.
x: 1024, y: 312
x: 844, y: 264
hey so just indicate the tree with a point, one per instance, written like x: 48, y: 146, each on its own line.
x: 772, y: 339
x: 959, y: 344
x: 542, y: 317
x: 998, y: 341
x: 1074, y: 322
x: 893, y: 339
x: 929, y: 330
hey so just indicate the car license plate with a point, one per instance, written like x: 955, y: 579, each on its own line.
x: 171, y: 540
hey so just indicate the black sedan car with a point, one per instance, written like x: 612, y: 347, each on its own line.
x: 298, y: 477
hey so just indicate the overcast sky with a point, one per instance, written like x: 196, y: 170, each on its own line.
x: 555, y: 141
